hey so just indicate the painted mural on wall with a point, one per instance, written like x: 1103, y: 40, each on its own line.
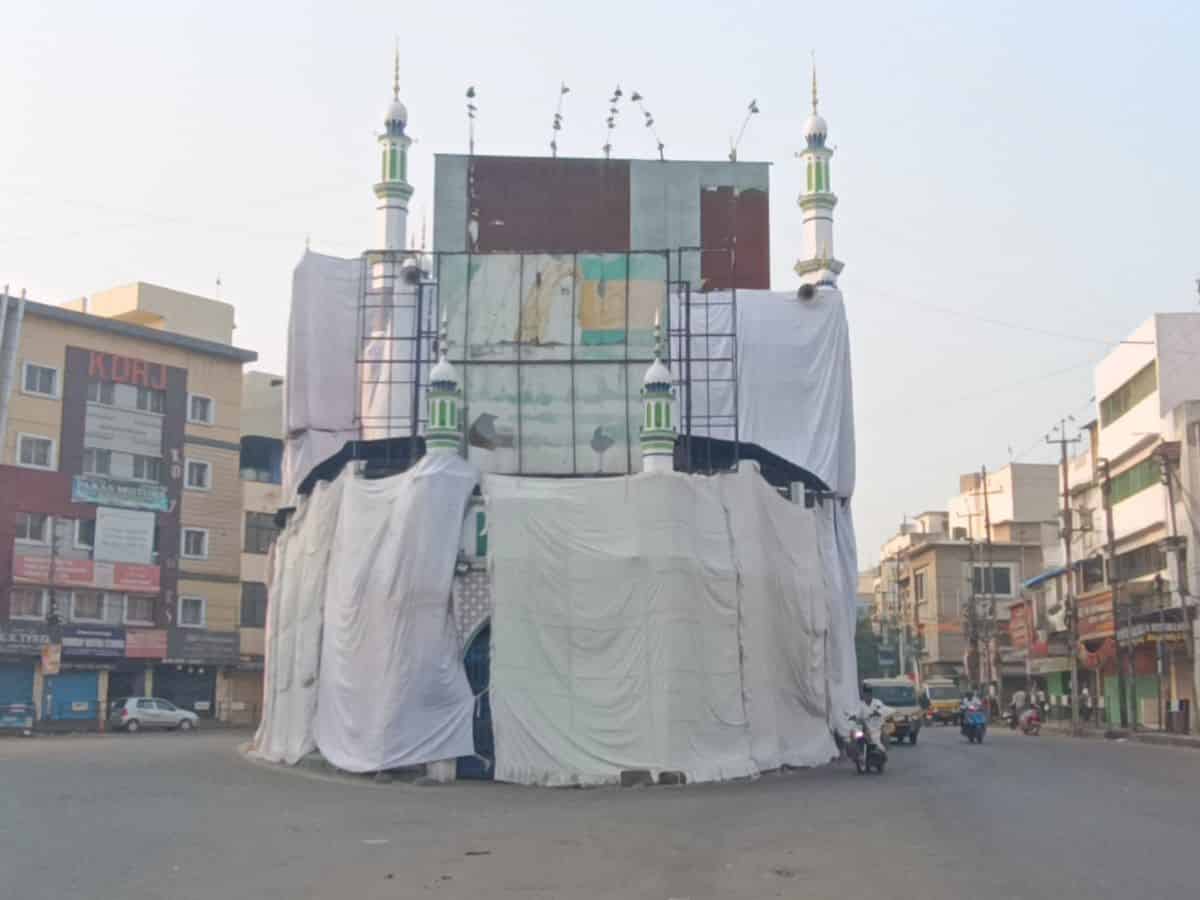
x: 552, y: 349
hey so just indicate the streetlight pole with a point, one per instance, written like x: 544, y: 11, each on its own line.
x: 1114, y: 582
x: 1068, y: 595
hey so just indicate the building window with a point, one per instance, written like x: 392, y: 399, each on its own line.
x: 1142, y: 561
x: 97, y: 462
x: 139, y: 610
x: 1091, y: 573
x: 200, y: 409
x: 260, y: 532
x: 102, y: 392
x: 151, y: 400
x: 87, y: 606
x: 195, y: 543
x: 192, y: 613
x: 1129, y: 395
x: 40, y: 380
x: 28, y: 603
x: 994, y: 581
x: 254, y: 604
x: 35, y: 451
x: 261, y: 459
x: 33, y: 528
x: 919, y: 587
x: 85, y: 533
x: 199, y: 475
x: 147, y: 468
x: 1135, y: 479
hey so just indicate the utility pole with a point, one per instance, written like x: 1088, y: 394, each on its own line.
x: 1114, y: 582
x: 901, y: 618
x: 990, y: 643
x: 972, y: 617
x: 1068, y: 594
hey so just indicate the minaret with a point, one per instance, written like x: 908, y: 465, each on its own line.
x: 817, y: 201
x: 443, y: 430
x: 658, y: 426
x: 393, y: 190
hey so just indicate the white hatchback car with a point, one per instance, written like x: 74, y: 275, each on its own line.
x: 136, y: 713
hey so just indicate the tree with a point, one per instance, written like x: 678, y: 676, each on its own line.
x: 866, y: 648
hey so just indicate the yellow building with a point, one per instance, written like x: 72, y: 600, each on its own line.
x: 121, y: 523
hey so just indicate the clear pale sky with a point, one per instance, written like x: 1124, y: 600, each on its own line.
x: 1033, y: 164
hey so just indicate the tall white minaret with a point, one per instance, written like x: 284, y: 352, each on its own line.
x: 817, y: 202
x: 393, y: 190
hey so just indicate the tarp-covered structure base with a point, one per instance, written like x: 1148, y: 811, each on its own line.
x: 666, y: 622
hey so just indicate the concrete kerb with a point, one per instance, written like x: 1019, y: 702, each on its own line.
x: 1154, y: 738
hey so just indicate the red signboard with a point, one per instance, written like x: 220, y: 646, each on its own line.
x: 1095, y: 616
x: 133, y: 577
x: 146, y: 643
x: 1018, y: 627
x: 127, y: 370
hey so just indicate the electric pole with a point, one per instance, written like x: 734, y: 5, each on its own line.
x: 990, y: 643
x: 1068, y: 594
x: 1114, y: 583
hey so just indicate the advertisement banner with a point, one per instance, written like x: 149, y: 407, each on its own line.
x: 122, y: 430
x: 201, y: 646
x: 145, y: 643
x: 132, y: 577
x: 115, y: 492
x: 95, y: 641
x: 124, y: 535
x: 22, y: 639
x: 51, y: 659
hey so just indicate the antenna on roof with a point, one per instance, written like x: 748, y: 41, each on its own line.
x: 611, y: 121
x: 751, y: 110
x: 471, y: 110
x: 648, y: 121
x: 556, y: 126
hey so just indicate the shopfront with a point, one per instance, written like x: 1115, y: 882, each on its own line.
x: 188, y: 677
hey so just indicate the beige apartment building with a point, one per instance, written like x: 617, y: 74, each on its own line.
x: 121, y: 503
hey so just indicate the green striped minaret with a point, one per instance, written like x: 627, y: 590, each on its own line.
x: 443, y: 428
x: 658, y: 421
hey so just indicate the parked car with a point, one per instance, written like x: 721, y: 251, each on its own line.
x: 135, y: 713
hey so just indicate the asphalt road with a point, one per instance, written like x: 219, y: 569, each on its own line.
x: 182, y: 817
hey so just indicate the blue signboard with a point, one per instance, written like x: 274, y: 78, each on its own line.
x: 20, y: 639
x: 95, y: 641
x: 114, y: 492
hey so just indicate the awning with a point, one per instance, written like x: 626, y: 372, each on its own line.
x: 1043, y: 577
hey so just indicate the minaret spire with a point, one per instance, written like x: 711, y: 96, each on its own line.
x: 443, y: 428
x: 814, y: 82
x: 393, y: 191
x: 658, y: 428
x: 818, y: 266
x: 396, y: 75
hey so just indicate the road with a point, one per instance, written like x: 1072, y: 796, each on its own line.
x: 182, y: 817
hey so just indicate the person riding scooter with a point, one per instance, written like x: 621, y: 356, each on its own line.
x: 873, y: 713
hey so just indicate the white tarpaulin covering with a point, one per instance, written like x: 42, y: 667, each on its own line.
x: 321, y: 385
x: 363, y: 660
x: 794, y: 394
x: 662, y: 622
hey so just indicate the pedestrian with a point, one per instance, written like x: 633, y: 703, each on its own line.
x: 1043, y: 706
x: 1085, y: 704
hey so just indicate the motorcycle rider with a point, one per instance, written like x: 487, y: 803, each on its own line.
x: 873, y: 713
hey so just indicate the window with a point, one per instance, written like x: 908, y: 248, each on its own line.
x: 254, y: 604
x: 35, y: 451
x: 200, y: 409
x: 97, y: 462
x: 151, y: 400
x: 1142, y: 561
x: 1129, y: 395
x: 102, y: 392
x: 1135, y: 479
x: 261, y: 459
x: 1091, y: 573
x: 919, y: 586
x: 85, y: 533
x: 996, y: 581
x: 139, y: 610
x: 191, y: 612
x: 145, y: 704
x: 195, y: 543
x: 147, y: 468
x: 199, y: 475
x: 87, y: 606
x: 40, y: 380
x: 260, y: 532
x: 33, y: 528
x: 28, y: 603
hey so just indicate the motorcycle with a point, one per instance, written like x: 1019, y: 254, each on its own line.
x: 1031, y: 722
x: 974, y: 724
x: 860, y: 749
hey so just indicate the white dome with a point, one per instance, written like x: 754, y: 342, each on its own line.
x: 658, y: 374
x: 396, y: 112
x: 815, y: 125
x: 443, y: 371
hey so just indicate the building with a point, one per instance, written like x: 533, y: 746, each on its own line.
x: 1134, y: 530
x: 261, y: 474
x: 120, y: 502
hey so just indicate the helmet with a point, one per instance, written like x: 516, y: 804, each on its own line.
x: 866, y: 688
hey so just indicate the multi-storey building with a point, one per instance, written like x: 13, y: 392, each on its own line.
x: 120, y: 502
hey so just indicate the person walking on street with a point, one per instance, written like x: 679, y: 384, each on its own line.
x: 1085, y: 704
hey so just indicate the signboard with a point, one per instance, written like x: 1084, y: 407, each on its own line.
x: 132, y: 577
x: 1048, y: 665
x: 22, y: 639
x: 201, y: 646
x: 145, y: 643
x: 123, y: 430
x: 95, y: 641
x: 1095, y: 616
x: 124, y: 535
x: 115, y: 492
x: 16, y: 715
x: 51, y: 659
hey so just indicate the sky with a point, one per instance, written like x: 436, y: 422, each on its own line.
x: 1017, y: 182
